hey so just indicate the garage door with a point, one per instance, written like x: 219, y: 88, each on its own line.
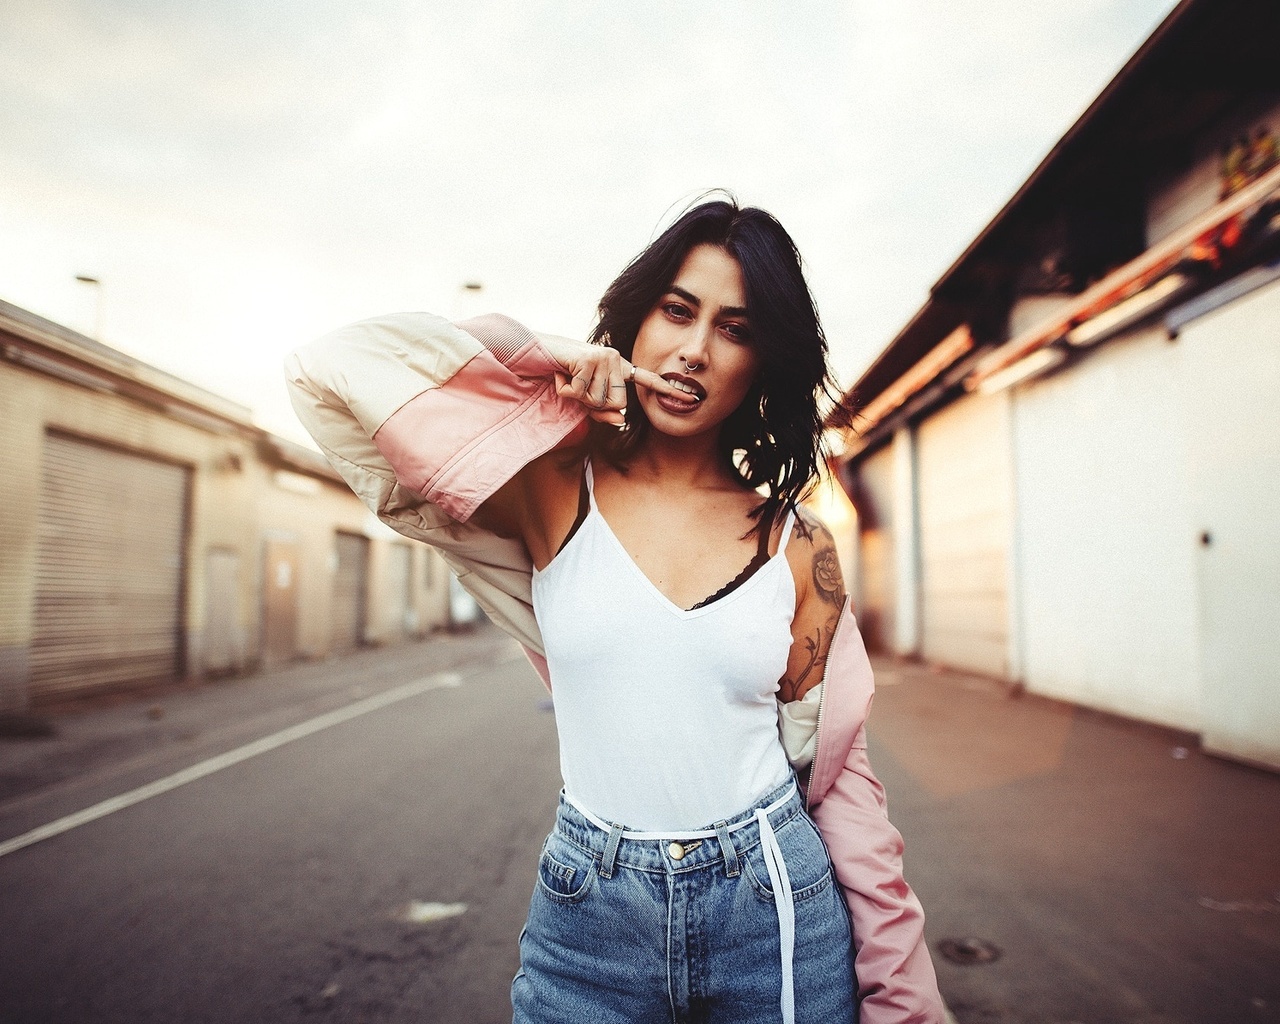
x: 399, y: 594
x: 349, y: 591
x: 109, y: 570
x: 1233, y: 374
x: 965, y: 495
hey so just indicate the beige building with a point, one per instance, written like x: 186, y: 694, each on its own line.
x: 149, y: 531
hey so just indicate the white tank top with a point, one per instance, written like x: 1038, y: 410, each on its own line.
x: 667, y: 717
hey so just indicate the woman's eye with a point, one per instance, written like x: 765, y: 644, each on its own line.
x: 738, y: 332
x: 677, y: 311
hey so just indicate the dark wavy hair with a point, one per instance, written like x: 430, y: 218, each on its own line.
x: 773, y: 440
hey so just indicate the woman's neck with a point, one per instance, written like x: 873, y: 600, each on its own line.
x: 682, y: 461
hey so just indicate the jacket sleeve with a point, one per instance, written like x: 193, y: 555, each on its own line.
x: 896, y: 980
x: 424, y: 420
x: 411, y: 408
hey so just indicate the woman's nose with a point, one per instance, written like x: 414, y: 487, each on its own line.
x: 695, y: 345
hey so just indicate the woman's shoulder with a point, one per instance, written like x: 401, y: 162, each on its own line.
x: 811, y: 552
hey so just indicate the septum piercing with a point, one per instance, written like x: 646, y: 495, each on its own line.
x: 688, y: 366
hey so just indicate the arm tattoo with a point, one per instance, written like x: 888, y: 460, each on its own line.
x: 826, y: 576
x: 815, y: 647
x: 826, y: 566
x: 816, y: 526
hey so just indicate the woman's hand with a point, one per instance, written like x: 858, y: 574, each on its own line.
x: 597, y: 376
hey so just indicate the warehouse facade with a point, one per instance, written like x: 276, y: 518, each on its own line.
x: 151, y: 532
x: 1067, y: 465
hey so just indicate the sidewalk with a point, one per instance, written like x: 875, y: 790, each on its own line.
x: 1120, y: 874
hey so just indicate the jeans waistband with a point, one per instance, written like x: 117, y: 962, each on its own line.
x: 649, y: 851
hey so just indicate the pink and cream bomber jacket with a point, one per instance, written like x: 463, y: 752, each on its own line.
x: 425, y: 419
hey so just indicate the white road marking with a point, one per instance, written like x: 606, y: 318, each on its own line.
x: 418, y: 912
x: 437, y: 681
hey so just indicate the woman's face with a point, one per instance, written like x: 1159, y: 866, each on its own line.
x: 698, y: 332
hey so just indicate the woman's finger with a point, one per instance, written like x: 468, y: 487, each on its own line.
x: 570, y: 385
x: 591, y: 387
x: 584, y: 382
x: 598, y: 388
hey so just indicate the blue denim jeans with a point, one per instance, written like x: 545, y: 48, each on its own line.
x: 622, y: 932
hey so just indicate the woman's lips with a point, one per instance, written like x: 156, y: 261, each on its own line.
x: 681, y: 406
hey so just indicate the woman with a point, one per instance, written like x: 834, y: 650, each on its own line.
x: 689, y: 617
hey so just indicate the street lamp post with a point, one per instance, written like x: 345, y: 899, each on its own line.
x: 466, y: 301
x: 97, y: 316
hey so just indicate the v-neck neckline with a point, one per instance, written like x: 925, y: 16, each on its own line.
x: 652, y: 587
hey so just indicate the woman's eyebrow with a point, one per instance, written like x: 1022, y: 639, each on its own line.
x: 693, y: 300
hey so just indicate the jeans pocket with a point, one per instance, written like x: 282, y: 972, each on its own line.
x: 565, y: 872
x: 806, y: 857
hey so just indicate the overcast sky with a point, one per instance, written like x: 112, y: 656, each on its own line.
x: 246, y: 174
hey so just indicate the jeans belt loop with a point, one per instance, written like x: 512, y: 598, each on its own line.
x: 610, y: 856
x: 727, y: 850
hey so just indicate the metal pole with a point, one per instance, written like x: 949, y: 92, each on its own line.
x: 97, y: 317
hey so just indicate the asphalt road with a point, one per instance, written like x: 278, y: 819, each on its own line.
x: 285, y: 887
x: 1122, y: 876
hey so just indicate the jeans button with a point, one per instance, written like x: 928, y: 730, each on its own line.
x: 676, y: 851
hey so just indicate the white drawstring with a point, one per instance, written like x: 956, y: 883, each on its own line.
x: 781, y: 883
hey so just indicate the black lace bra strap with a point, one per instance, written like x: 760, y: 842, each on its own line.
x: 584, y: 506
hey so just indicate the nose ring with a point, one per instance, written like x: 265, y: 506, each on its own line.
x: 688, y: 366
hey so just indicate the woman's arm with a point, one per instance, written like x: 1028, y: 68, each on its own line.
x: 539, y: 503
x: 410, y: 407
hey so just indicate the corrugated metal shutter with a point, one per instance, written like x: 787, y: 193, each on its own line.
x: 398, y: 594
x: 965, y: 494
x: 349, y: 589
x: 109, y: 569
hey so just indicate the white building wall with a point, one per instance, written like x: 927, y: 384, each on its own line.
x: 1104, y: 534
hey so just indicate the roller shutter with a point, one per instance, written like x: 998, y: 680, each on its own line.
x: 349, y: 591
x: 965, y: 493
x: 109, y: 570
x: 398, y: 594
